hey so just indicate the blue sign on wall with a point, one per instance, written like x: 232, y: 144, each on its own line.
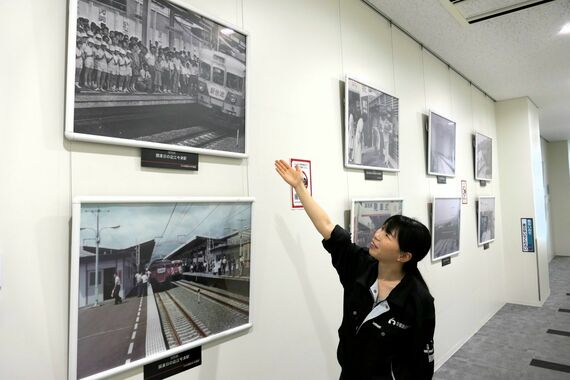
x: 527, y: 234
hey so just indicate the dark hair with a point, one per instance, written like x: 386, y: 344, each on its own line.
x: 413, y: 237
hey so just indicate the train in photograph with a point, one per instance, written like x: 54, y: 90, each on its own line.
x: 221, y: 85
x: 163, y: 271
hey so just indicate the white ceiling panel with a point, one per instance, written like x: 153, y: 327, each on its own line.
x: 509, y: 56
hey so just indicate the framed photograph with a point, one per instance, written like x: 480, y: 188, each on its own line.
x: 446, y: 226
x: 486, y: 220
x: 483, y: 157
x: 152, y: 277
x: 305, y: 166
x: 155, y: 74
x: 371, y: 133
x: 441, y: 146
x: 368, y: 215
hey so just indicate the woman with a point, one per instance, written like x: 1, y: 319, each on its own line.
x: 388, y: 313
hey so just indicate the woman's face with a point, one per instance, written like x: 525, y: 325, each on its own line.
x: 384, y: 246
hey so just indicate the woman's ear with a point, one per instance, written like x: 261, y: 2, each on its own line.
x: 405, y: 257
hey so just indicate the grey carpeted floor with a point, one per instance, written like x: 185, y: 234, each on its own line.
x: 505, y: 346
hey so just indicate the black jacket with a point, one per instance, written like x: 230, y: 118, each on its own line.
x: 398, y: 343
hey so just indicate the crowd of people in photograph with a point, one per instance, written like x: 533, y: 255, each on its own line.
x: 112, y: 61
x: 222, y: 266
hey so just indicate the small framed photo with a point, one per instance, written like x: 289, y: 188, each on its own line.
x: 155, y: 74
x: 483, y: 157
x: 446, y: 227
x: 441, y: 145
x: 371, y: 134
x: 369, y: 214
x: 154, y: 276
x: 486, y: 220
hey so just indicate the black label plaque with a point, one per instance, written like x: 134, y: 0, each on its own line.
x: 483, y: 183
x: 446, y: 261
x: 373, y: 175
x: 441, y: 179
x: 170, y: 366
x: 168, y: 159
x: 486, y: 246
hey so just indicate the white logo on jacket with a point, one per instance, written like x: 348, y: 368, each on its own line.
x: 393, y: 322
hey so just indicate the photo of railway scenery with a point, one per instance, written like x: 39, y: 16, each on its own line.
x: 151, y: 73
x: 441, y: 145
x: 446, y: 227
x: 369, y: 215
x: 151, y: 277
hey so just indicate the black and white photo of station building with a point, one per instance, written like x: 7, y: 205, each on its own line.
x: 151, y: 277
x: 371, y: 128
x: 148, y: 72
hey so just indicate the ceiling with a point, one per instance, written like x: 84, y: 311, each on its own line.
x: 507, y: 53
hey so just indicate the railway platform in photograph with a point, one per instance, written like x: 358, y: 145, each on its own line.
x: 94, y: 99
x: 111, y: 335
x: 235, y: 284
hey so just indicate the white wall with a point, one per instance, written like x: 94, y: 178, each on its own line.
x: 544, y: 149
x: 559, y: 180
x: 523, y: 197
x: 300, y: 51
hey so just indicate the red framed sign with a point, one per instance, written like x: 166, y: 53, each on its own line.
x: 305, y: 166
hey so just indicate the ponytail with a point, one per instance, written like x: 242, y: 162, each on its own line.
x: 411, y: 267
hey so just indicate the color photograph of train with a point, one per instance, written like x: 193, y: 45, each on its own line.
x: 163, y: 272
x: 177, y: 269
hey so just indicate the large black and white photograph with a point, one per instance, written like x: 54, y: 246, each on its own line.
x: 441, y: 146
x: 155, y: 74
x: 153, y: 277
x: 486, y: 220
x: 483, y: 157
x: 368, y: 215
x: 371, y: 133
x: 446, y: 223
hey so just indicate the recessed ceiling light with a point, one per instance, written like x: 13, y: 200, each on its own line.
x: 227, y: 31
x: 565, y: 29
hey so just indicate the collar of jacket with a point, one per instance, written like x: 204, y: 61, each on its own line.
x: 398, y: 295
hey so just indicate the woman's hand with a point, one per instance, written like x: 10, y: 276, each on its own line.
x: 293, y: 177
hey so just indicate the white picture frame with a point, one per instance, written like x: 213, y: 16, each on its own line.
x: 486, y: 220
x: 199, y: 107
x: 369, y: 214
x: 371, y: 127
x: 442, y: 133
x: 196, y: 253
x: 446, y: 227
x: 483, y: 157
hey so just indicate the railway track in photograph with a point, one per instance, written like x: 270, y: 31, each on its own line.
x: 178, y: 324
x: 191, y: 311
x: 196, y: 136
x: 233, y: 301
